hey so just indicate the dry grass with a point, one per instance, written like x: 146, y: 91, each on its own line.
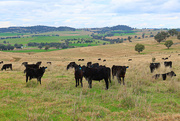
x: 142, y: 98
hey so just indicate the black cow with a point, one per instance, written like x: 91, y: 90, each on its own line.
x: 168, y: 63
x: 1, y: 62
x: 154, y: 66
x: 171, y: 74
x: 5, y: 66
x: 82, y: 59
x: 78, y: 72
x: 35, y: 73
x: 119, y: 72
x: 96, y: 73
x: 49, y: 63
x: 79, y: 59
x: 99, y: 58
x: 104, y: 60
x: 129, y: 59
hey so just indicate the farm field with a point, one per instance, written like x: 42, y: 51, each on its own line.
x: 57, y: 98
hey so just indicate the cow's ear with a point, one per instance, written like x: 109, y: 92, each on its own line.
x: 127, y: 66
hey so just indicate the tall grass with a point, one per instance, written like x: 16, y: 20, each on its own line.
x: 57, y: 98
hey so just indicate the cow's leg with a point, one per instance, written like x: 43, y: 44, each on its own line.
x: 76, y: 82
x: 26, y: 78
x: 107, y: 83
x: 90, y: 83
x: 123, y: 81
x: 81, y: 82
x: 120, y: 80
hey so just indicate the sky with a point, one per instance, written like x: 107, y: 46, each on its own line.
x: 90, y: 13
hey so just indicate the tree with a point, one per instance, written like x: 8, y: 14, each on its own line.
x: 168, y: 43
x: 161, y: 36
x: 139, y: 47
x: 143, y: 35
x: 173, y: 32
x: 129, y: 38
x: 178, y: 37
x: 40, y: 47
x: 46, y: 47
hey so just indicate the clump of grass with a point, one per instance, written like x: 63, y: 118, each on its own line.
x: 137, y: 90
x: 54, y: 85
x: 31, y: 84
x: 173, y: 87
x: 128, y: 102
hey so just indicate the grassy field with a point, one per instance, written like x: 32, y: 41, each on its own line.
x: 57, y: 98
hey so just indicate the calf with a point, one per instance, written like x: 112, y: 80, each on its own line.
x: 119, y: 72
x: 171, y: 74
x: 35, y: 73
x: 168, y: 63
x: 154, y: 66
x: 49, y: 63
x: 78, y: 72
x: 5, y: 66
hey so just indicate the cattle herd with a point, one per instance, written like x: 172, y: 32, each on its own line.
x: 92, y: 71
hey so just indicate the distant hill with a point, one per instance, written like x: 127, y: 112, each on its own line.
x: 42, y: 29
x: 118, y: 27
x: 35, y: 29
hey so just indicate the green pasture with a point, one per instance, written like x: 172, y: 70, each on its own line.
x: 30, y: 50
x: 12, y: 34
x: 40, y: 39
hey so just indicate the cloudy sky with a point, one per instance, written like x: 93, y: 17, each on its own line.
x: 91, y: 13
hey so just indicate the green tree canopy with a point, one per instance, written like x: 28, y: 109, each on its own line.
x: 139, y: 47
x: 46, y: 47
x: 173, y: 32
x: 129, y: 38
x: 168, y: 43
x: 178, y: 37
x: 161, y: 36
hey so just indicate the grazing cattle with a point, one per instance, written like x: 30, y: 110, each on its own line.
x: 154, y: 66
x: 168, y: 63
x: 130, y: 60
x: 82, y: 59
x: 99, y: 58
x: 171, y: 74
x: 79, y: 59
x: 78, y: 72
x: 49, y: 63
x: 5, y: 66
x: 119, y: 72
x: 1, y: 62
x: 104, y: 60
x: 35, y: 73
x: 96, y: 73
